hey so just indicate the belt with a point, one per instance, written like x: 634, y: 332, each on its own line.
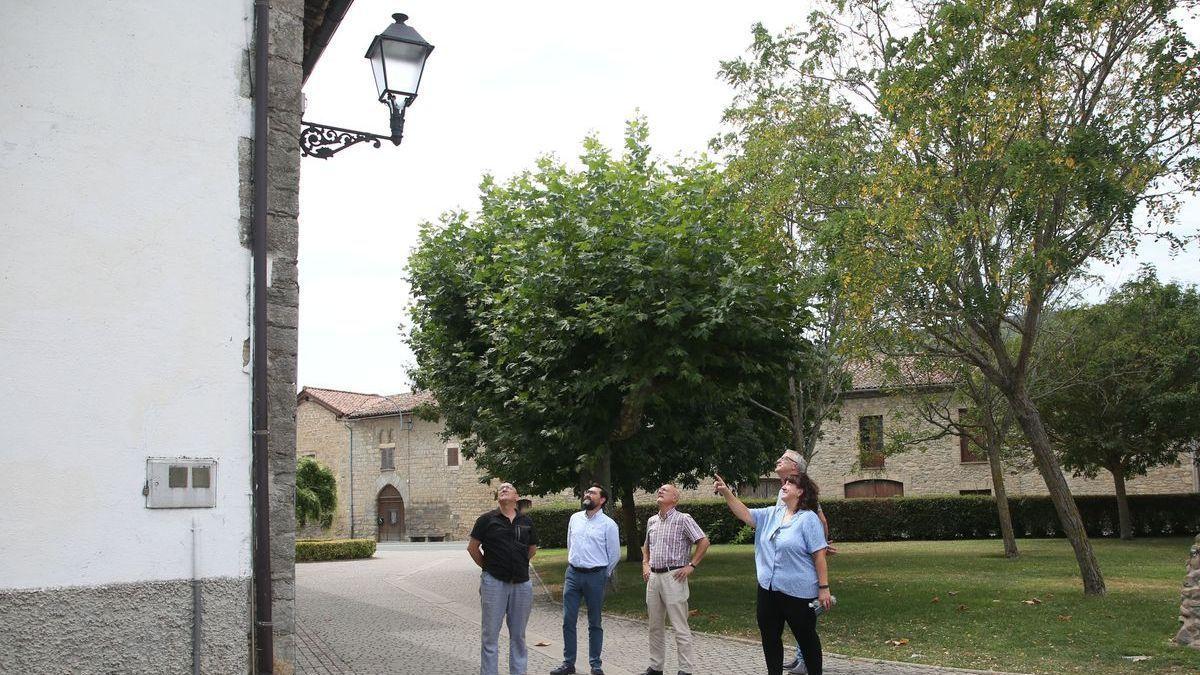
x: 669, y: 568
x: 588, y: 570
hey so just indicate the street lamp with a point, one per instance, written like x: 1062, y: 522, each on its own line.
x: 397, y: 58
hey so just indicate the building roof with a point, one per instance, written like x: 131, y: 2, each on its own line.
x: 867, y: 376
x: 355, y: 404
x: 321, y: 19
x: 393, y: 405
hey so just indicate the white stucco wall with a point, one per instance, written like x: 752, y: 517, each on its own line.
x: 123, y: 286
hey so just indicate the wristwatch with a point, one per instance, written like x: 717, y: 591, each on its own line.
x: 824, y: 587
x: 693, y: 565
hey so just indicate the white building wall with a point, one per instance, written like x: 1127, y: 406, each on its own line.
x: 123, y: 286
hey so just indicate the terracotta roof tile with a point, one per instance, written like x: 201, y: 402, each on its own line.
x: 393, y: 405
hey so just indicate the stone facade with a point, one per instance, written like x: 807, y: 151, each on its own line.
x: 443, y: 501
x: 936, y: 467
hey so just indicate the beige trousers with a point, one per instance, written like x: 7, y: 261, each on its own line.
x: 667, y: 598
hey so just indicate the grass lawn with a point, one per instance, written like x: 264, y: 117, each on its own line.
x: 960, y: 603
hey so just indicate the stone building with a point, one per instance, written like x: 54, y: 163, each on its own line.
x: 409, y: 484
x: 131, y: 135
x: 398, y: 480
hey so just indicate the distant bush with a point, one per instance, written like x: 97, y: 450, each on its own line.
x: 311, y: 550
x: 922, y: 518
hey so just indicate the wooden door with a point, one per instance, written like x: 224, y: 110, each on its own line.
x: 874, y: 488
x: 390, y: 512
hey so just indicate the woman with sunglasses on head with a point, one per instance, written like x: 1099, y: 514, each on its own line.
x: 789, y: 557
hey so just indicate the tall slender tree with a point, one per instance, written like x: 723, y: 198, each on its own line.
x: 1004, y: 145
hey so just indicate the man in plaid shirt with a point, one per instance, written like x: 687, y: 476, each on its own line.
x: 667, y: 562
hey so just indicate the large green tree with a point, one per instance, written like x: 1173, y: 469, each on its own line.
x: 1002, y: 146
x: 610, y: 322
x: 1127, y: 384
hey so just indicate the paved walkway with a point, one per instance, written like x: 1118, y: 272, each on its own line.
x: 414, y: 608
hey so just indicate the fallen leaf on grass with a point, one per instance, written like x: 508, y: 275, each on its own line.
x: 1031, y: 601
x: 1064, y: 617
x: 693, y: 612
x: 542, y: 644
x: 1136, y: 658
x: 935, y: 599
x: 961, y: 608
x: 897, y: 643
x: 951, y: 592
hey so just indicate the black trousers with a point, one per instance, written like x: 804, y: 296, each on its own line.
x: 775, y: 609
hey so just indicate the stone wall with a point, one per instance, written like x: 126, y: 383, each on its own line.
x: 284, y: 105
x: 439, y: 500
x: 125, y: 628
x: 322, y: 435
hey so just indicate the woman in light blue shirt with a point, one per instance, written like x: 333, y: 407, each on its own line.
x: 789, y: 557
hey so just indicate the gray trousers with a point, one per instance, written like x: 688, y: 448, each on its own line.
x: 501, y: 600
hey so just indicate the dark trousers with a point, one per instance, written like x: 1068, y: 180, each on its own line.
x: 775, y: 609
x: 586, y: 587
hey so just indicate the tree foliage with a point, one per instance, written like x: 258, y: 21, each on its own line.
x: 1132, y: 366
x: 316, y: 492
x: 618, y: 315
x: 997, y: 146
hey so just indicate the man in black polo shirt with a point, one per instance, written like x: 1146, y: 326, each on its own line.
x: 508, y: 542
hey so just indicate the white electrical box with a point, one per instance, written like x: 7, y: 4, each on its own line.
x: 180, y: 483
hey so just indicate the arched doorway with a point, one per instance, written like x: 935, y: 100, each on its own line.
x: 390, y: 510
x: 874, y: 488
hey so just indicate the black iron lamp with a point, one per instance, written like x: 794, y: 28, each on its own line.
x: 397, y: 58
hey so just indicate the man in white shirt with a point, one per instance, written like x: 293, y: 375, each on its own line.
x: 593, y: 550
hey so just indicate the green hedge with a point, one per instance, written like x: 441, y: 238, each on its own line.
x: 310, y: 550
x: 925, y: 518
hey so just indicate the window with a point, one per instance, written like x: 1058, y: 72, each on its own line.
x: 452, y: 455
x: 387, y: 459
x: 986, y: 492
x: 177, y: 477
x: 870, y: 441
x: 968, y: 451
x: 201, y: 477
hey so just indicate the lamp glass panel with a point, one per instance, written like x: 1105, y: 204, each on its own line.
x: 404, y: 62
x: 377, y: 68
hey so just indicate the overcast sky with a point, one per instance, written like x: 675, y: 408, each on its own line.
x: 507, y: 82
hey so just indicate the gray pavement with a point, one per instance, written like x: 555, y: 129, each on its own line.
x: 414, y: 608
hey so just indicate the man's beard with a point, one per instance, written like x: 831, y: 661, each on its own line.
x: 588, y: 504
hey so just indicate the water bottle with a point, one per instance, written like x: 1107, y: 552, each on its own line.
x: 816, y: 604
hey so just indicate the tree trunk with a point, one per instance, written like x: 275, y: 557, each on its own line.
x: 1006, y: 526
x: 794, y: 413
x: 1124, y: 518
x: 633, y: 540
x: 1060, y: 493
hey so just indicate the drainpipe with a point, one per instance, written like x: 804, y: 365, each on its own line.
x: 350, y: 428
x: 264, y: 645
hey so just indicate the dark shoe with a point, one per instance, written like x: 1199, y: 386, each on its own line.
x: 684, y: 672
x: 651, y: 671
x: 597, y: 671
x: 564, y: 669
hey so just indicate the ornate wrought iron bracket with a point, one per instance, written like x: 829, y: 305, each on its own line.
x: 322, y: 141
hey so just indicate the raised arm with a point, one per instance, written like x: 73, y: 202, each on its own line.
x: 735, y: 505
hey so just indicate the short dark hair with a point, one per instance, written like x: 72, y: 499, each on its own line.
x: 808, y: 500
x: 603, y: 492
